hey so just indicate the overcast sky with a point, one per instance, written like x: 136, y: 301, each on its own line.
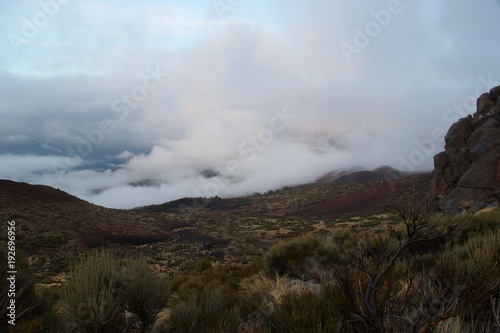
x: 129, y: 103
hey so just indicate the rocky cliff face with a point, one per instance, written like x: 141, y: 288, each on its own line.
x: 467, y: 173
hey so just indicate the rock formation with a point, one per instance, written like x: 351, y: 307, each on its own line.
x: 467, y: 173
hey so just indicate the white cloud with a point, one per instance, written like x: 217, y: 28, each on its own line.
x: 30, y: 167
x: 225, y: 78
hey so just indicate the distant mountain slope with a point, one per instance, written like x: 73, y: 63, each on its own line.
x: 368, y: 193
x: 358, y: 175
x: 333, y: 175
x: 42, y: 193
x: 53, y: 225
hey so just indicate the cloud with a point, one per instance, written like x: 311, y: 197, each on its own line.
x: 29, y: 167
x: 65, y: 121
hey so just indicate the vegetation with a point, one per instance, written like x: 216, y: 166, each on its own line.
x: 426, y: 274
x: 33, y: 308
x: 103, y: 288
x: 212, y: 311
x: 304, y: 257
x: 386, y: 271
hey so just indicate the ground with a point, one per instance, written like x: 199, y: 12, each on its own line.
x: 54, y: 228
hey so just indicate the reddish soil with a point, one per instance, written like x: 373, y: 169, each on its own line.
x: 34, y: 192
x: 370, y: 198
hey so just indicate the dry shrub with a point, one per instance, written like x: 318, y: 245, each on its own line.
x: 213, y: 311
x: 305, y: 257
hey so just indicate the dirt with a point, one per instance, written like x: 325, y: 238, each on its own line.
x: 39, y: 193
x: 55, y: 227
x: 367, y: 200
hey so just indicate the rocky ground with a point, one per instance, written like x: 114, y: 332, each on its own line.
x: 54, y: 228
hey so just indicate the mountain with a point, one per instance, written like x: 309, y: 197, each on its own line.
x: 53, y: 228
x: 333, y: 175
x: 359, y: 175
x: 34, y: 193
x: 368, y: 193
x: 467, y: 172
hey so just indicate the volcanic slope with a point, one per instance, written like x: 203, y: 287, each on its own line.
x: 53, y: 227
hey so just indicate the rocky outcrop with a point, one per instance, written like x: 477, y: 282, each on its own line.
x: 467, y: 173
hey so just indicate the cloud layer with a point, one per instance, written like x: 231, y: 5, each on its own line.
x: 127, y: 105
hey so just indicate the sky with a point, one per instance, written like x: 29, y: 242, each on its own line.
x: 131, y: 103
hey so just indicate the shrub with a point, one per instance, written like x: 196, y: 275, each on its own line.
x: 102, y: 288
x: 459, y: 325
x: 304, y: 312
x: 482, y: 223
x: 91, y: 301
x: 304, y: 257
x: 144, y: 294
x: 213, y: 311
x: 263, y: 294
x: 205, y: 276
x: 388, y: 279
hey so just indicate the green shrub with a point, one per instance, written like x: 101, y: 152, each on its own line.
x: 262, y: 295
x: 305, y: 312
x: 91, y: 301
x: 305, y: 257
x: 482, y: 223
x: 213, y: 311
x: 205, y: 277
x: 102, y: 288
x: 145, y: 294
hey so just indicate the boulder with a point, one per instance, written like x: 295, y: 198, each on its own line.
x: 495, y: 94
x: 457, y: 135
x: 484, y: 103
x: 495, y: 109
x: 467, y: 172
x: 480, y: 142
x: 449, y: 176
x: 441, y: 160
x: 484, y: 173
x: 461, y: 163
x: 439, y: 184
x: 462, y: 199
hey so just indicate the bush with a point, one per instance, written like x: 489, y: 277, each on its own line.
x: 91, y: 301
x: 482, y: 223
x: 388, y: 279
x: 205, y: 276
x: 305, y: 312
x: 305, y: 257
x: 145, y: 294
x: 263, y: 295
x: 213, y: 311
x: 103, y: 287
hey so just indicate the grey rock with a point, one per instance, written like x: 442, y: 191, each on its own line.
x: 457, y: 135
x: 467, y: 172
x: 484, y: 103
x: 495, y: 93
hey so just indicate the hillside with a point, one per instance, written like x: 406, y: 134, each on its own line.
x: 54, y: 227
